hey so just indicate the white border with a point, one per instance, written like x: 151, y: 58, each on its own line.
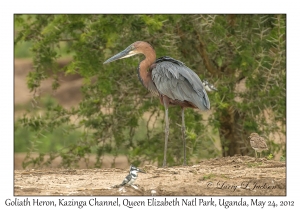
x: 120, y: 6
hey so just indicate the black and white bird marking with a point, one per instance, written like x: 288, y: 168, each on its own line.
x: 208, y: 86
x: 131, y: 177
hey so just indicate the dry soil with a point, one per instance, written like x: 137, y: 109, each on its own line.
x: 238, y: 175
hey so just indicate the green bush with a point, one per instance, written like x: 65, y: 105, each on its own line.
x: 224, y: 49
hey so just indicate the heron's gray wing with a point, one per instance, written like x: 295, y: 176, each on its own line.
x: 175, y: 80
x: 126, y: 180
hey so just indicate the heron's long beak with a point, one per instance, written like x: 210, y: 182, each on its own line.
x: 128, y: 52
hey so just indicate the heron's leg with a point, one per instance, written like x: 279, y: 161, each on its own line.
x: 165, y: 100
x: 255, y: 154
x: 183, y: 136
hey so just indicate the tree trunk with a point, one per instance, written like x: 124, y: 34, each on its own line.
x: 233, y: 139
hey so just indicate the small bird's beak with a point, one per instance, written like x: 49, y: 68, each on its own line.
x: 128, y: 52
x: 215, y: 89
x: 141, y: 171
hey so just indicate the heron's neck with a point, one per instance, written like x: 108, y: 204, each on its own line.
x: 143, y: 69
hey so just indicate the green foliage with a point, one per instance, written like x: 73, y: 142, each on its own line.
x: 111, y: 118
x: 46, y: 142
x: 270, y: 156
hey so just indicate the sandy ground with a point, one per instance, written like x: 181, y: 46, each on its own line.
x: 238, y: 175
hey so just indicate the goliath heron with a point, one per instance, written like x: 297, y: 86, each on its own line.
x: 171, y: 80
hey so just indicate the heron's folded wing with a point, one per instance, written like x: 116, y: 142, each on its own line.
x: 173, y: 79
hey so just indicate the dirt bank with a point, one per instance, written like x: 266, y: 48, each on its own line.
x: 239, y: 175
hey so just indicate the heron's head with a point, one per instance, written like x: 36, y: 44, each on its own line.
x: 131, y: 50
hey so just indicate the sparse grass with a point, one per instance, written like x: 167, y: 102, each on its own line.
x: 209, y: 176
x: 253, y: 165
x: 212, y: 176
x: 282, y: 158
x: 224, y: 176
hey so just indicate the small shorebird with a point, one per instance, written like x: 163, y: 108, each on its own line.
x: 258, y: 143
